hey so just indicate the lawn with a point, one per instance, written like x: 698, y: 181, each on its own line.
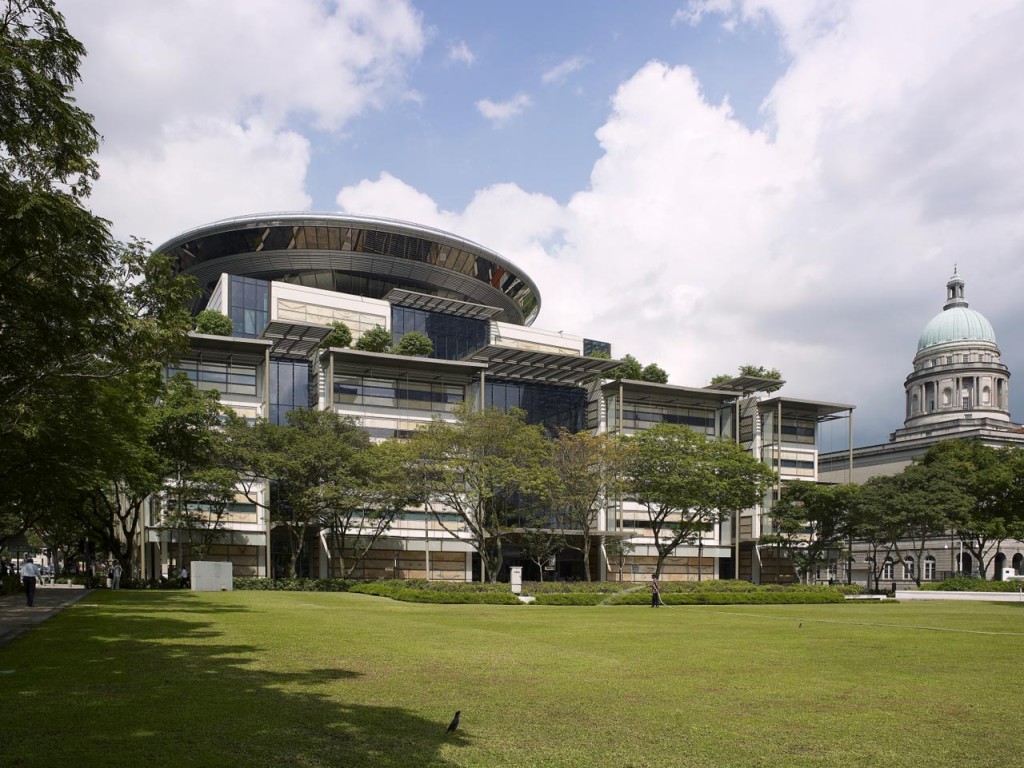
x: 333, y: 679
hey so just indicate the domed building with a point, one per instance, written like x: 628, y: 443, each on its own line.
x: 957, y: 371
x: 959, y: 388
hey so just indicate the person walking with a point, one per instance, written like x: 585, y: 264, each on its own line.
x: 29, y: 575
x: 183, y: 577
x: 115, y: 576
x: 655, y: 592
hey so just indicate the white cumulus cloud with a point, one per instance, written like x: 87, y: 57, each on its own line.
x: 500, y: 112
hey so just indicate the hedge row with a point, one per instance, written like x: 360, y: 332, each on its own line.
x: 967, y: 584
x: 697, y: 598
x: 713, y: 592
x: 396, y: 591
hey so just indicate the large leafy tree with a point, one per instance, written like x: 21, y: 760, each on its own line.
x: 813, y: 520
x: 78, y: 311
x: 687, y: 483
x: 378, y: 490
x: 310, y: 466
x: 590, y: 470
x: 875, y: 522
x: 486, y: 467
x: 927, y: 499
x: 993, y: 481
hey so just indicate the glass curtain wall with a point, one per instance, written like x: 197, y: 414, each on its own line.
x: 289, y: 388
x: 453, y: 337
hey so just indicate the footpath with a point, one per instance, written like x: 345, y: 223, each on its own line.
x: 51, y: 599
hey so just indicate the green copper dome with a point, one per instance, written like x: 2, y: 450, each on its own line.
x: 957, y: 323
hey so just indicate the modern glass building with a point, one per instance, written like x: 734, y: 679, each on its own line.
x: 285, y: 278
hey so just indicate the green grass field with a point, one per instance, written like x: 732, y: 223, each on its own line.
x: 331, y: 679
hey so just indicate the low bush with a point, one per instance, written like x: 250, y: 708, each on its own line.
x: 570, y: 598
x: 758, y: 597
x: 968, y: 584
x: 397, y: 590
x: 572, y: 587
x: 291, y: 585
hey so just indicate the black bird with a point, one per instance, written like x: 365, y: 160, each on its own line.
x: 801, y: 625
x: 454, y: 723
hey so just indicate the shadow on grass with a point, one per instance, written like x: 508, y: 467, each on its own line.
x: 127, y: 677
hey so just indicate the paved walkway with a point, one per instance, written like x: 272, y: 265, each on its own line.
x: 16, y: 617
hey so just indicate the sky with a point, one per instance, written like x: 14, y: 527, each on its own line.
x: 702, y: 184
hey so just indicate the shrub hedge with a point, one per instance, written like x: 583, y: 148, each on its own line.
x: 968, y: 584
x: 711, y: 592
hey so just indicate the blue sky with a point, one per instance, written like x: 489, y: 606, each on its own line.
x: 702, y: 183
x: 444, y: 146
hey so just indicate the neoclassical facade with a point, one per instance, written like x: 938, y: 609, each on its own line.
x: 959, y: 388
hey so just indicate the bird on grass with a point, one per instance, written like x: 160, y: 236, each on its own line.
x: 801, y: 625
x: 454, y: 723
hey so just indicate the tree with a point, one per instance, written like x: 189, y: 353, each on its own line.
x: 539, y: 545
x: 654, y: 373
x: 414, y: 344
x: 617, y: 550
x: 687, y: 484
x: 812, y: 521
x: 310, y: 466
x: 78, y: 309
x: 340, y: 336
x: 486, y: 467
x: 993, y: 481
x: 590, y: 470
x: 874, y: 522
x: 735, y: 481
x: 927, y: 498
x: 755, y: 371
x: 377, y: 339
x: 214, y: 323
x: 378, y: 490
x: 629, y: 368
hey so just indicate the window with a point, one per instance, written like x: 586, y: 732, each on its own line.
x: 887, y: 570
x: 929, y: 568
x: 908, y: 568
x: 226, y: 378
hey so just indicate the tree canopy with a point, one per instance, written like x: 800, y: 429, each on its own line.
x: 490, y: 469
x: 377, y: 339
x: 84, y: 318
x: 687, y: 483
x: 214, y: 323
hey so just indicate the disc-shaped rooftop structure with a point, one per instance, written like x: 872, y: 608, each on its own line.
x: 361, y: 255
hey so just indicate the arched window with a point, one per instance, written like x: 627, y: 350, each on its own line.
x: 1018, y: 562
x: 908, y: 568
x: 947, y: 396
x: 929, y: 569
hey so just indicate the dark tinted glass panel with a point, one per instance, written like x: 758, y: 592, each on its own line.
x: 289, y: 388
x: 554, y: 407
x: 249, y: 302
x: 453, y: 337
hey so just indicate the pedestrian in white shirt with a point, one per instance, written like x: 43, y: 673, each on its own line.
x: 29, y: 575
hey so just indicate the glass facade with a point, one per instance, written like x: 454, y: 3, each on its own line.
x: 637, y: 418
x: 592, y: 347
x: 453, y: 337
x: 249, y: 305
x: 357, y: 239
x: 554, y: 407
x: 226, y: 378
x: 289, y: 388
x: 397, y: 392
